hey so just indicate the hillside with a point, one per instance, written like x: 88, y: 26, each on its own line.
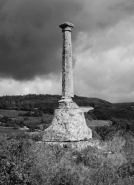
x: 41, y: 101
x: 115, y: 110
x: 103, y: 110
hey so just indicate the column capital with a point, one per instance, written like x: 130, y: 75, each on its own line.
x: 67, y: 26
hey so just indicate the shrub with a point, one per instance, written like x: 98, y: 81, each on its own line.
x: 104, y: 131
x: 17, y: 165
x: 37, y: 137
x: 88, y: 157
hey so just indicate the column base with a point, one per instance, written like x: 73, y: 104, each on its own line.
x: 67, y: 103
x: 68, y: 124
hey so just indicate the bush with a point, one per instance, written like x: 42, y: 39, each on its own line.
x: 37, y: 137
x: 104, y: 131
x: 109, y: 112
x: 87, y: 157
x: 122, y: 125
x: 17, y: 166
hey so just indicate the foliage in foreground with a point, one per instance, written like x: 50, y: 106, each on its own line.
x: 26, y: 162
x: 16, y: 161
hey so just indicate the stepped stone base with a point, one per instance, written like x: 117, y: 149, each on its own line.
x: 75, y: 145
x: 68, y: 124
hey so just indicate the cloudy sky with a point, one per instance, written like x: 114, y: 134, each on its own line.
x: 103, y: 47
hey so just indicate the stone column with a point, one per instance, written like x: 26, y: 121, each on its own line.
x: 67, y: 71
x: 68, y: 124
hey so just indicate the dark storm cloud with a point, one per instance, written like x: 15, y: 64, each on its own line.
x: 30, y: 39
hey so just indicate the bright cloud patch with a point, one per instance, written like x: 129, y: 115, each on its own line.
x: 36, y: 86
x: 105, y: 63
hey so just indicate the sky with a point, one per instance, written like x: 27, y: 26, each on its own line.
x: 102, y: 40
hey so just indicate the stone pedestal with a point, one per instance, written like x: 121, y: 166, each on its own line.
x: 68, y: 124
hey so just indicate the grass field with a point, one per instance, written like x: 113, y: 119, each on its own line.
x: 17, y: 120
x: 9, y: 130
x: 97, y: 123
x: 10, y: 113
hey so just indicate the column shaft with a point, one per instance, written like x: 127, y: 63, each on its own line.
x: 67, y: 71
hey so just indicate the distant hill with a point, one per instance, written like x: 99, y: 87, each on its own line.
x: 115, y: 110
x: 103, y: 110
x: 127, y: 105
x: 30, y: 101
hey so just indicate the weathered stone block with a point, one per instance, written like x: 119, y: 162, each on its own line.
x: 68, y: 125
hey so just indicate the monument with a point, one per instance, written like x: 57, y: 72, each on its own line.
x: 68, y: 124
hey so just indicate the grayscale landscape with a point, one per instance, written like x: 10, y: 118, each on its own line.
x: 66, y: 92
